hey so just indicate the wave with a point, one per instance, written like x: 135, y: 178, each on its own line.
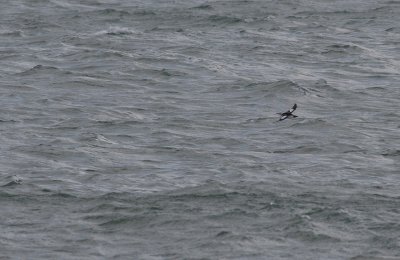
x: 281, y: 86
x: 222, y: 19
x: 116, y: 31
x: 38, y: 69
x: 12, y: 181
x: 203, y: 7
x: 112, y: 12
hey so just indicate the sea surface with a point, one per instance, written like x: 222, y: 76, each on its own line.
x: 148, y: 129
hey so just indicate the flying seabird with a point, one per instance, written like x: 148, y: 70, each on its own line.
x: 288, y: 114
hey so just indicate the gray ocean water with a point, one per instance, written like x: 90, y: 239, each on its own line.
x: 147, y: 129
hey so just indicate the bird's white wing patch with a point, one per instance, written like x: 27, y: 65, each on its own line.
x: 293, y: 108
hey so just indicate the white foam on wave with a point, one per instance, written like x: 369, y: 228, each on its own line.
x: 116, y: 30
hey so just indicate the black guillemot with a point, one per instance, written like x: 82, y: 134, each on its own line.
x: 288, y: 114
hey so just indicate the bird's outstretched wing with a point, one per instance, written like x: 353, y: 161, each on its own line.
x: 293, y: 108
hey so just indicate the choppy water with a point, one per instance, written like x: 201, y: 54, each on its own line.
x: 147, y: 129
